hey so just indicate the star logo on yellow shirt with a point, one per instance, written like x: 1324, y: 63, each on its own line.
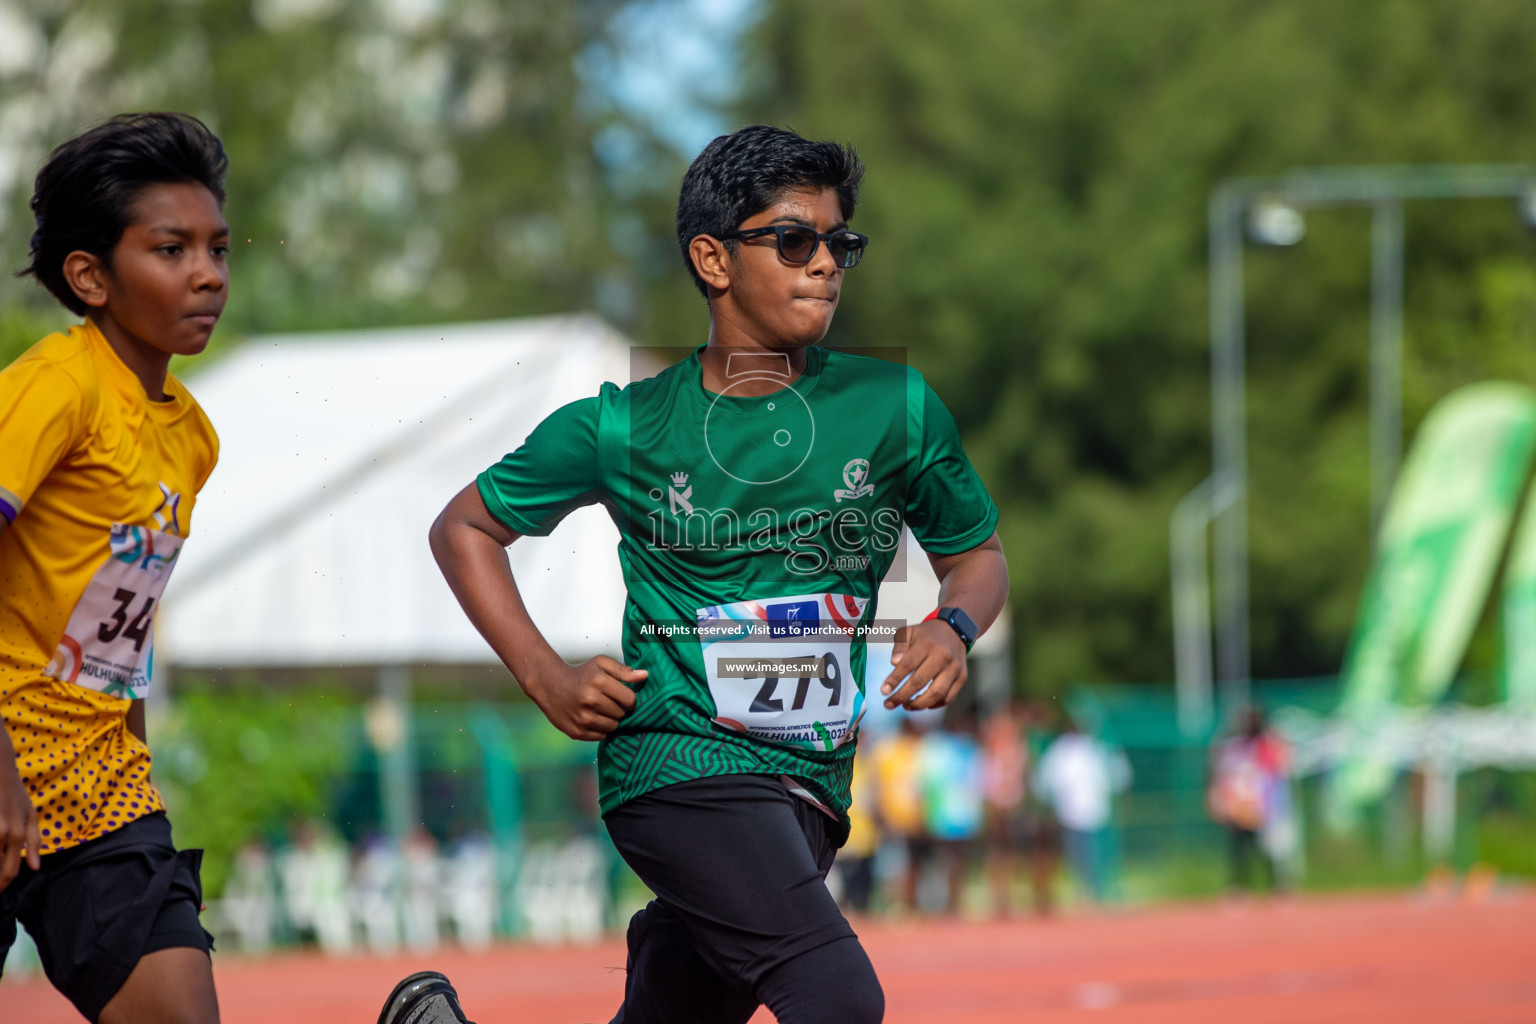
x: 168, y: 511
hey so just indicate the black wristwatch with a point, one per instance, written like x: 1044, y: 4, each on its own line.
x: 961, y: 623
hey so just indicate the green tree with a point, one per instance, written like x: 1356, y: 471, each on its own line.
x: 1038, y: 178
x: 390, y: 162
x: 235, y: 761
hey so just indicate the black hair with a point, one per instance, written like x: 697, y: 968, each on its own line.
x: 84, y: 193
x: 747, y: 171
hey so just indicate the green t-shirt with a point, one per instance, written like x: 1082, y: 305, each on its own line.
x: 753, y: 531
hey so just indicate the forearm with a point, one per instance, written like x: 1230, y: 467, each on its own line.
x: 136, y: 721
x: 18, y: 818
x: 479, y: 573
x: 7, y: 752
x: 975, y: 581
x: 583, y: 701
x: 928, y: 666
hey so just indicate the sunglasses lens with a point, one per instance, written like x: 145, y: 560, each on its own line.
x: 846, y: 248
x: 797, y: 244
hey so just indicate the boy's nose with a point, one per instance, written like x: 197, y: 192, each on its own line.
x: 207, y: 275
x: 822, y: 264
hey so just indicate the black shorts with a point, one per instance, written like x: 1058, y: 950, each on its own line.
x: 741, y: 862
x: 95, y: 909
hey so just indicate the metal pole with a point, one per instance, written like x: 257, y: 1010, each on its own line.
x: 1384, y: 189
x: 1229, y: 442
x: 1439, y: 809
x: 1190, y: 572
x: 1386, y: 353
x: 397, y: 765
x: 1191, y: 608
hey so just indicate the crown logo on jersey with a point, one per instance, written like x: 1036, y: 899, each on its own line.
x: 678, y: 495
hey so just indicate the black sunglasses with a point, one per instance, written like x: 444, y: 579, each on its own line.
x: 798, y: 243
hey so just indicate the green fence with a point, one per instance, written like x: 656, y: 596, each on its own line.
x: 1168, y: 846
x: 242, y: 762
x: 497, y: 767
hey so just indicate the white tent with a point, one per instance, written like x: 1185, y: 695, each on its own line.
x: 308, y: 545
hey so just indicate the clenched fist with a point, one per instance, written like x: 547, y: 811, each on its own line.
x: 587, y: 701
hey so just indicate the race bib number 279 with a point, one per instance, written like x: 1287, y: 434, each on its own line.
x: 781, y: 670
x: 109, y: 644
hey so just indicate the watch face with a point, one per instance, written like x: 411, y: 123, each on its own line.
x: 962, y: 624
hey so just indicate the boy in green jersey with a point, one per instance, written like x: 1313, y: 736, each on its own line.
x: 759, y: 488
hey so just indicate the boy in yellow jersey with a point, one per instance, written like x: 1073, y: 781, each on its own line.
x: 102, y: 454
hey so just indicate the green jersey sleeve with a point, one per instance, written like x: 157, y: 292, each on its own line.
x: 551, y: 474
x: 948, y: 507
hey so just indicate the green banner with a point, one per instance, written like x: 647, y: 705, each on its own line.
x: 1440, y: 544
x: 1519, y: 613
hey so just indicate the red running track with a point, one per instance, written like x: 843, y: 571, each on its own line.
x: 1355, y: 959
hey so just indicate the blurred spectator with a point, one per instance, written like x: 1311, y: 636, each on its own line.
x: 421, y: 884
x: 951, y: 775
x: 856, y: 860
x: 376, y: 893
x: 1078, y: 775
x: 387, y: 894
x: 562, y: 890
x: 585, y: 879
x: 899, y: 801
x: 469, y: 889
x: 1042, y: 835
x: 248, y: 907
x: 313, y: 875
x: 1250, y: 795
x: 1005, y: 766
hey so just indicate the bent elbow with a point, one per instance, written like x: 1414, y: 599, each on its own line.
x: 437, y: 536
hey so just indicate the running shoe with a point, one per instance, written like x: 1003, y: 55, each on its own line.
x: 425, y: 997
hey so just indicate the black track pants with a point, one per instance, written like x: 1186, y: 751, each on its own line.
x: 742, y: 915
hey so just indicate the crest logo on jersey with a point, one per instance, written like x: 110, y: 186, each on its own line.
x: 167, y: 513
x: 679, y: 493
x: 855, y: 475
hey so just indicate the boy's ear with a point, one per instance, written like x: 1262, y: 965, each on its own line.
x: 86, y: 277
x: 712, y: 260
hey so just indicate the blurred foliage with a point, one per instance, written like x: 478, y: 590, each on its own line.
x: 21, y: 326
x: 235, y: 761
x: 392, y: 161
x: 1503, y: 820
x: 1038, y: 178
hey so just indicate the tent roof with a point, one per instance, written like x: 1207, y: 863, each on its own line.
x: 308, y: 544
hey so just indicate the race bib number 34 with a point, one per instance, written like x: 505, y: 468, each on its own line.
x: 782, y: 670
x: 109, y: 644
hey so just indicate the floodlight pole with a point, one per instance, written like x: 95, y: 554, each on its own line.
x: 1386, y: 353
x: 1221, y: 500
x: 1229, y: 439
x: 397, y: 764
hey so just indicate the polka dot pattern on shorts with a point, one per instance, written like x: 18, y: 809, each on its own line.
x: 87, y: 774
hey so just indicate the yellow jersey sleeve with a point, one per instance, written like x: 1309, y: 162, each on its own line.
x: 206, y: 456
x: 41, y: 417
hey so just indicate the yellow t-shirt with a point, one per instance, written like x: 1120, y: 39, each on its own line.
x: 98, y: 484
x: 863, y: 832
x: 897, y: 793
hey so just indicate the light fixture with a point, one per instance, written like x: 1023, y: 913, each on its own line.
x: 1275, y: 222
